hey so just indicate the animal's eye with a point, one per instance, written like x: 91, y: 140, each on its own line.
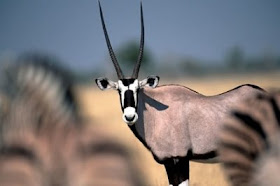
x: 151, y: 81
x: 104, y: 83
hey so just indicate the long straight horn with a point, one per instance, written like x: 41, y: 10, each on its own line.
x: 141, y: 49
x: 112, y: 55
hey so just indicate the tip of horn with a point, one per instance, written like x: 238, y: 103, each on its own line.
x: 99, y: 4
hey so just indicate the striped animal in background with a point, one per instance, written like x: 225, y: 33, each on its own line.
x: 176, y: 123
x: 36, y: 76
x: 250, y: 142
x: 43, y: 141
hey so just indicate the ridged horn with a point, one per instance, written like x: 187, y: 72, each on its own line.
x: 111, y: 52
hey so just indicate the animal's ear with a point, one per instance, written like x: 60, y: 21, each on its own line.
x: 104, y: 83
x: 150, y: 81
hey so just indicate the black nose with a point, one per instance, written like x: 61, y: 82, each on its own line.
x: 129, y: 118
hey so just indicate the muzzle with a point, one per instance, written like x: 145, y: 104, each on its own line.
x: 130, y: 115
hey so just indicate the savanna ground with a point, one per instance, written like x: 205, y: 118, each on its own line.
x: 103, y: 109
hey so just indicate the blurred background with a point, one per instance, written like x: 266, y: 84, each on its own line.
x: 209, y: 46
x: 183, y: 38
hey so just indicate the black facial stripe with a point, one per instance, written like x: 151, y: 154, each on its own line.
x: 129, y: 99
x: 120, y: 96
x: 127, y: 82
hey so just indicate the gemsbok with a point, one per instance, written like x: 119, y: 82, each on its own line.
x: 174, y: 122
x: 44, y: 143
x: 250, y: 142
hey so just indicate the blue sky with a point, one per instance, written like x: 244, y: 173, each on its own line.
x: 71, y: 30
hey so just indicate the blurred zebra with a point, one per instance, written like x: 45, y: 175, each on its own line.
x: 268, y: 166
x: 43, y: 141
x: 249, y: 142
x: 38, y: 77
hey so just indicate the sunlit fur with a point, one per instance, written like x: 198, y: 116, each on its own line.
x: 249, y: 142
x: 43, y: 141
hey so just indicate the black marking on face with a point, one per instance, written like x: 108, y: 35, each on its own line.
x: 128, y: 90
x: 120, y: 95
x: 129, y: 99
x: 127, y: 82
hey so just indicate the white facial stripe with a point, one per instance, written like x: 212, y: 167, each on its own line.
x: 122, y: 90
x: 134, y: 88
x: 134, y: 85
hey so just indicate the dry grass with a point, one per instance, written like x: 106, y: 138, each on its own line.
x: 103, y: 108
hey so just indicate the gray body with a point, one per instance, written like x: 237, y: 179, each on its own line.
x: 174, y: 120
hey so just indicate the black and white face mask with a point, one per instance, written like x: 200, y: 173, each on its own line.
x: 128, y: 89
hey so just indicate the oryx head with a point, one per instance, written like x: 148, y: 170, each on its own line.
x: 128, y: 87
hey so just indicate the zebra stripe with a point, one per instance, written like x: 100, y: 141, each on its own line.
x: 36, y: 78
x: 43, y: 143
x: 247, y: 139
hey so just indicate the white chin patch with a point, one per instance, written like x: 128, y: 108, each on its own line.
x: 185, y: 183
x: 129, y: 115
